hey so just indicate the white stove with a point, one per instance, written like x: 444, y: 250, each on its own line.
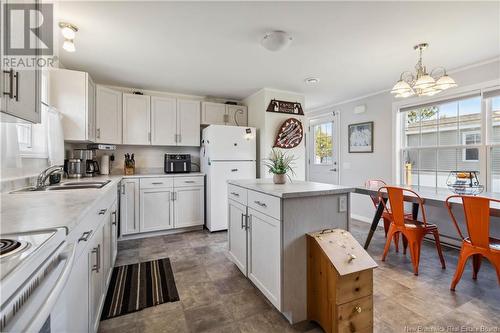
x: 34, y: 267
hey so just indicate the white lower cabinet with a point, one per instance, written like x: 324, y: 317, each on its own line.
x: 238, y: 234
x: 152, y: 204
x: 96, y: 278
x: 189, y: 206
x: 264, y: 254
x: 155, y: 209
x: 255, y: 243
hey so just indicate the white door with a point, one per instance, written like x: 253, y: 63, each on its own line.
x: 163, y: 121
x: 264, y: 255
x: 217, y: 177
x: 91, y: 117
x: 156, y: 209
x: 237, y: 235
x: 136, y: 119
x: 230, y: 143
x: 129, y: 206
x: 96, y: 274
x: 213, y: 113
x: 188, y: 123
x: 237, y: 115
x: 323, y: 150
x: 189, y: 206
x: 108, y: 115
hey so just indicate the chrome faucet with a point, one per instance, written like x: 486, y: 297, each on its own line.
x: 42, y: 177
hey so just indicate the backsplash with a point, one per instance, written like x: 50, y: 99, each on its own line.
x: 146, y: 157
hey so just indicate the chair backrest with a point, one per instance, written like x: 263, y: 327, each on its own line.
x: 396, y: 198
x: 375, y: 183
x: 477, y: 218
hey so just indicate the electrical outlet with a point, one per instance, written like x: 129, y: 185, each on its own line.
x: 342, y: 204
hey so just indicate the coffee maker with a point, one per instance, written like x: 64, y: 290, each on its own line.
x: 89, y: 164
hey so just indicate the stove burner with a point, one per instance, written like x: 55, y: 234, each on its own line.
x: 10, y: 246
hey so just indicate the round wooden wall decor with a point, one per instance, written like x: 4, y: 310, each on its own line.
x: 290, y: 134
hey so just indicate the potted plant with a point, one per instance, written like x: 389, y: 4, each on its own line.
x: 280, y: 165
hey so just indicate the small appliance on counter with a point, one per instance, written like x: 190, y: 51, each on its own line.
x: 73, y: 167
x: 90, y: 166
x: 105, y: 164
x: 177, y: 163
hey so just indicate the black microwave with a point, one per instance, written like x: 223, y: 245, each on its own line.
x: 177, y: 163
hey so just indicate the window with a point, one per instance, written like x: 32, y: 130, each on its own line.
x: 323, y: 143
x: 441, y: 137
x: 492, y: 103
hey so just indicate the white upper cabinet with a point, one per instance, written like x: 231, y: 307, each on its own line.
x: 164, y: 121
x: 136, y: 119
x: 73, y: 94
x: 108, y: 115
x: 188, y: 123
x: 237, y: 115
x: 213, y: 113
x: 223, y: 114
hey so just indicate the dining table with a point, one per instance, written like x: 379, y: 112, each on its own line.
x: 431, y: 196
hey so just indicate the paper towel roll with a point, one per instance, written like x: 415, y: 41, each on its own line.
x: 105, y: 165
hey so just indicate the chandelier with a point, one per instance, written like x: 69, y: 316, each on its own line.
x: 421, y: 83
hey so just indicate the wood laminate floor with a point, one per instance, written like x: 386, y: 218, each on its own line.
x: 215, y: 297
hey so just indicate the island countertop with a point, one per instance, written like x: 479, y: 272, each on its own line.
x: 295, y: 189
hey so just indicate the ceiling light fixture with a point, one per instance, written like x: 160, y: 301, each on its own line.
x: 311, y: 80
x: 276, y: 40
x: 68, y: 31
x: 421, y: 83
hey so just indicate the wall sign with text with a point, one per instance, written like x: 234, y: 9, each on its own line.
x: 290, y: 134
x: 285, y: 107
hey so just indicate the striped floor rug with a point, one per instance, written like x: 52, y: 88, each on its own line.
x: 138, y: 286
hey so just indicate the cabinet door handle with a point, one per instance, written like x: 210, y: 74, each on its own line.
x: 85, y: 236
x: 260, y: 203
x: 123, y: 189
x: 248, y: 223
x: 113, y: 218
x: 10, y: 93
x: 97, y: 252
x: 189, y: 181
x: 157, y: 183
x: 235, y: 194
x: 16, y: 96
x: 98, y: 133
x: 234, y: 170
x: 103, y: 211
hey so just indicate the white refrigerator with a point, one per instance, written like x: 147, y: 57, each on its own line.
x: 227, y: 152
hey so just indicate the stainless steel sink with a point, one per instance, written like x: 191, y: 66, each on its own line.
x: 65, y: 186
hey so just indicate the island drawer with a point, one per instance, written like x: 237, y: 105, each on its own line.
x: 264, y: 203
x: 159, y: 182
x: 189, y: 181
x: 237, y: 193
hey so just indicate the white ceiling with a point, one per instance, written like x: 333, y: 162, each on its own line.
x: 213, y: 49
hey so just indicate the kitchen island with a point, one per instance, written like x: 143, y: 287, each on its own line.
x: 267, y: 226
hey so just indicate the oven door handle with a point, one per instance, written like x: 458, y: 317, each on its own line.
x: 43, y: 313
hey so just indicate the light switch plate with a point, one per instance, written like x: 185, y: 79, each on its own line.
x: 342, y: 204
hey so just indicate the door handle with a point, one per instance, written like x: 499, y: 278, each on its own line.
x: 248, y: 222
x: 97, y: 252
x: 16, y: 96
x: 10, y: 93
x: 103, y: 211
x: 85, y: 236
x: 334, y: 169
x: 113, y: 218
x: 242, y: 221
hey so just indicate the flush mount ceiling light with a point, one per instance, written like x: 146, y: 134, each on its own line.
x: 421, y: 83
x: 276, y: 40
x: 68, y: 31
x: 311, y: 80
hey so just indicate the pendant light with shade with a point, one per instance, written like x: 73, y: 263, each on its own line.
x: 422, y: 83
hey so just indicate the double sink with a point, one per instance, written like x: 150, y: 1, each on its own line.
x: 66, y: 186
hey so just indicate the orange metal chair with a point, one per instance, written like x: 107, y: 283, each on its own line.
x: 413, y: 230
x: 479, y: 244
x: 386, y: 216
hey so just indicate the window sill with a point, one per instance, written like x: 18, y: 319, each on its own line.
x: 34, y: 155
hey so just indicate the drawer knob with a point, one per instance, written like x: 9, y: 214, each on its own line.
x: 351, y: 257
x: 357, y: 309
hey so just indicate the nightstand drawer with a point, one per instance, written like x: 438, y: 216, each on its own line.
x: 264, y: 203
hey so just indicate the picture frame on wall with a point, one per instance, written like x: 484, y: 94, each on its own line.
x: 360, y: 137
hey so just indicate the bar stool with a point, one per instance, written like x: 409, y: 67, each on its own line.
x: 479, y: 244
x: 413, y: 230
x: 386, y: 216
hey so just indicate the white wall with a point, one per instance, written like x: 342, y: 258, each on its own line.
x: 357, y: 168
x: 268, y: 124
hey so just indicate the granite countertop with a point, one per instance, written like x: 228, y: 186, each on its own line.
x: 30, y: 211
x: 296, y: 189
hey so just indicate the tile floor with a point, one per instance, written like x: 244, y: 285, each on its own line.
x: 215, y: 297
